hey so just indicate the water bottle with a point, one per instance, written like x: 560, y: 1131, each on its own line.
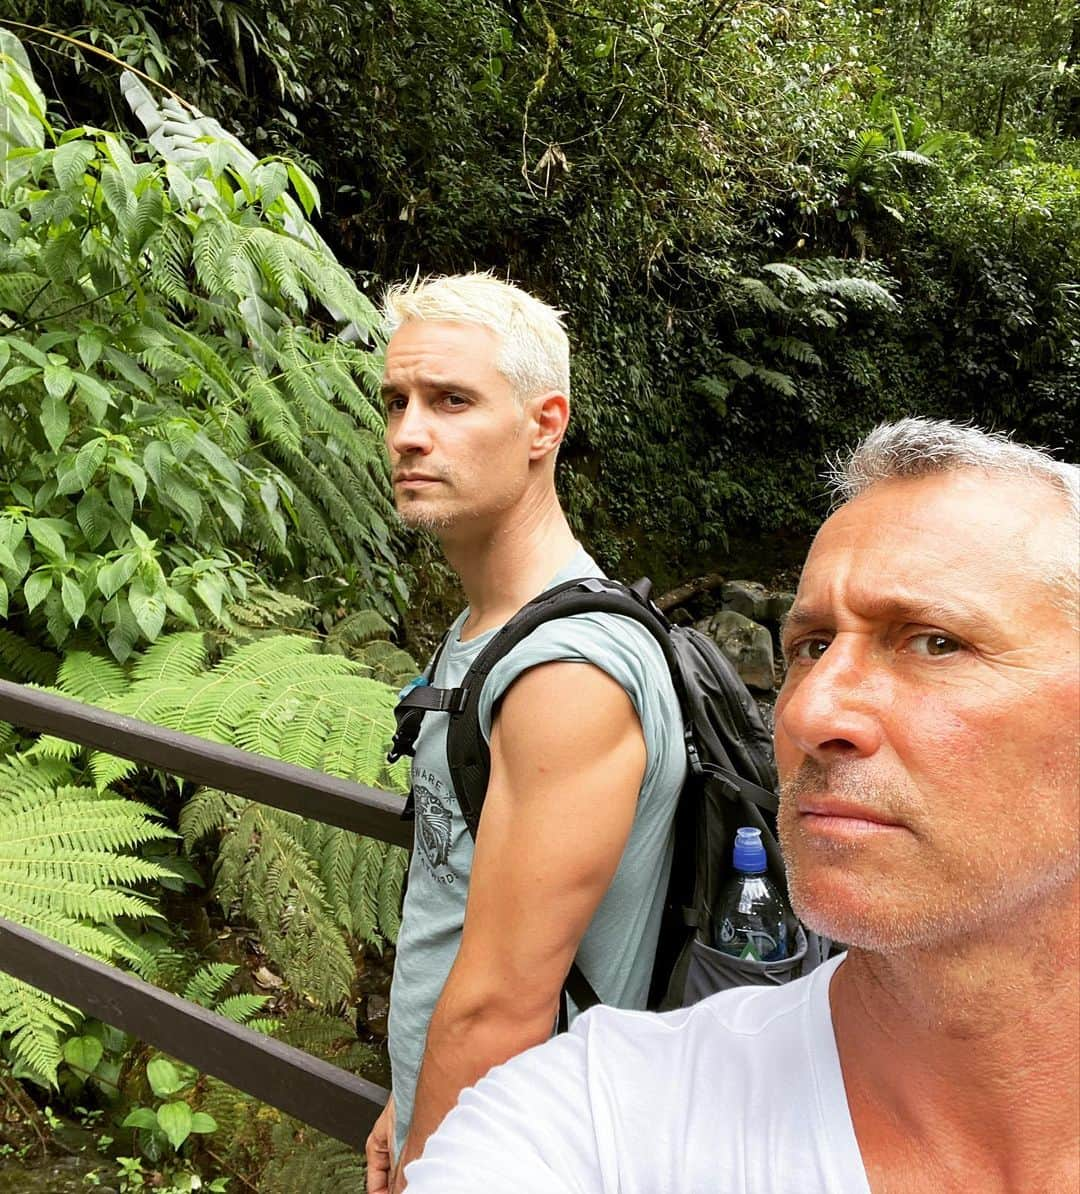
x: 749, y: 920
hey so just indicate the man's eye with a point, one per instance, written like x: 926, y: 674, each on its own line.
x: 933, y: 645
x: 810, y: 649
x: 395, y: 405
x: 455, y: 400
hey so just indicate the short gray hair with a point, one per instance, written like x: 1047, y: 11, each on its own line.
x: 924, y: 447
x: 534, y: 352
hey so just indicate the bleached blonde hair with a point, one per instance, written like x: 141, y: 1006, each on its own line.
x: 534, y: 352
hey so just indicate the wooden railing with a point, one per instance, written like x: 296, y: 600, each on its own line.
x: 320, y: 1094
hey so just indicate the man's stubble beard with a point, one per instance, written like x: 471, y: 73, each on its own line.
x: 943, y: 897
x: 421, y: 518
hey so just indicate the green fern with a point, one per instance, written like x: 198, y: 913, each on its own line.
x: 279, y: 1152
x: 23, y: 661
x: 303, y: 1163
x: 314, y: 892
x: 66, y: 871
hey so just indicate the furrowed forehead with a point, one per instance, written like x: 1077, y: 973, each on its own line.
x: 948, y: 549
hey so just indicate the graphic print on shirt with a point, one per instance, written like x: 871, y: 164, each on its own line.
x: 434, y: 825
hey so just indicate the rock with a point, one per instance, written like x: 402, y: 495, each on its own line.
x: 746, y: 644
x: 378, y: 1008
x: 267, y: 979
x: 746, y: 597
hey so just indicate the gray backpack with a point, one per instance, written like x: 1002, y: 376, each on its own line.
x: 730, y: 783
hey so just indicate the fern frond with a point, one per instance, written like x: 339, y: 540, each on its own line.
x: 764, y: 297
x: 388, y: 662
x: 790, y: 275
x: 208, y: 811
x: 782, y: 383
x: 206, y: 984
x: 90, y: 678
x: 171, y: 658
x: 24, y: 662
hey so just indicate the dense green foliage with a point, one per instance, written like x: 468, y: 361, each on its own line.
x: 771, y: 225
x: 176, y: 423
x: 637, y: 164
x: 189, y: 439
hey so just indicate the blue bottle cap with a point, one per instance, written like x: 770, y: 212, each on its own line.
x: 749, y: 853
x: 415, y: 682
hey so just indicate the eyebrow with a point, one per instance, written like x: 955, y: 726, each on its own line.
x: 389, y: 388
x: 894, y: 608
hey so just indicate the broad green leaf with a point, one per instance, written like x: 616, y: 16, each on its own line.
x: 175, y: 1121
x: 3, y: 599
x: 233, y: 504
x: 74, y: 601
x: 121, y: 496
x: 90, y: 347
x: 179, y: 605
x: 147, y: 607
x: 129, y: 370
x: 34, y: 355
x: 47, y: 537
x: 134, y: 473
x: 141, y: 1117
x: 210, y: 588
x: 67, y: 475
x: 37, y: 588
x: 7, y: 560
x: 58, y: 379
x: 97, y: 396
x: 17, y: 374
x: 306, y: 191
x: 118, y: 198
x: 70, y: 161
x: 147, y: 220
x: 94, y: 516
x: 5, y: 354
x: 156, y: 459
x: 163, y: 1077
x: 125, y: 632
x: 202, y: 1122
x: 90, y: 457
x: 83, y: 1053
x: 187, y: 500
x: 273, y: 179
x: 216, y: 458
x: 112, y: 578
x: 55, y: 420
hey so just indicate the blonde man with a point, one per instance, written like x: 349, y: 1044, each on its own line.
x: 573, y: 850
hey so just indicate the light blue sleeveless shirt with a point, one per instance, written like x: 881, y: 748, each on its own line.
x: 616, y: 952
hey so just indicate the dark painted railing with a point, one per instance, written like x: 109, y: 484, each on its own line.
x: 315, y: 1091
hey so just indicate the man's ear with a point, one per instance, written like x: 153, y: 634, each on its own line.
x: 550, y: 416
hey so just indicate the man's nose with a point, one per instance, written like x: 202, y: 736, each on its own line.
x: 833, y: 709
x: 408, y: 433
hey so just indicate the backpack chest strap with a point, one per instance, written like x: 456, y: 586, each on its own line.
x: 409, y: 713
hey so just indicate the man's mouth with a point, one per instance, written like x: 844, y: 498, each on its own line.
x: 836, y: 817
x: 415, y: 479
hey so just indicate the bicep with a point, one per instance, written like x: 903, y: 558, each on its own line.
x: 567, y: 763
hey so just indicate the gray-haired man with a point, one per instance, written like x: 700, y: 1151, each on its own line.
x: 926, y: 737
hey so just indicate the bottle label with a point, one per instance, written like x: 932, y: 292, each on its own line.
x: 754, y: 945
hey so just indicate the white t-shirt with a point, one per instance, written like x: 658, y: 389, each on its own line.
x: 739, y: 1094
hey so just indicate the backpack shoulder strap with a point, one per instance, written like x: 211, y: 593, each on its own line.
x: 468, y: 754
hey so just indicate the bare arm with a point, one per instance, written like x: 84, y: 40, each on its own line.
x: 567, y: 762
